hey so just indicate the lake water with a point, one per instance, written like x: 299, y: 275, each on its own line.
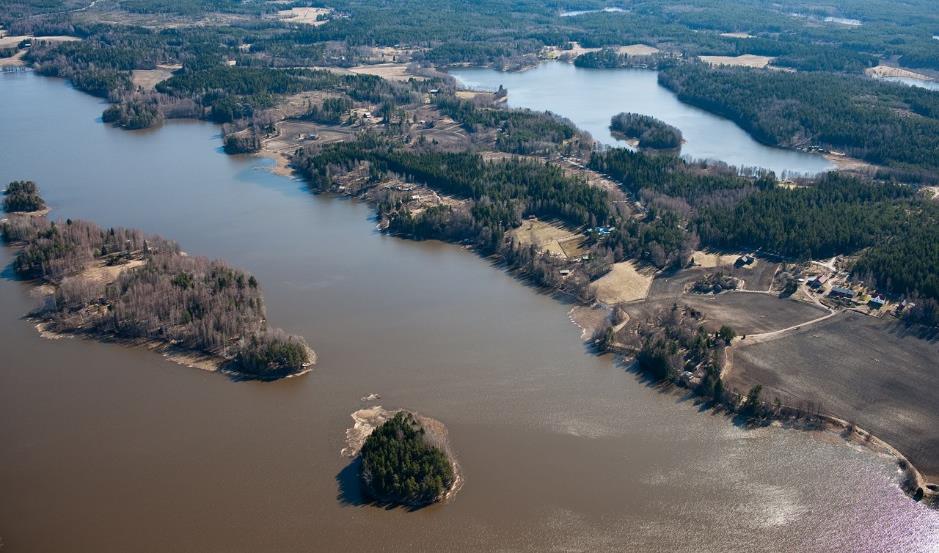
x: 590, y: 97
x: 575, y: 13
x: 931, y: 85
x: 107, y: 448
x: 844, y: 21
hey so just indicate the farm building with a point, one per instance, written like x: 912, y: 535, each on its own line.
x: 818, y: 281
x: 841, y: 292
x: 744, y: 260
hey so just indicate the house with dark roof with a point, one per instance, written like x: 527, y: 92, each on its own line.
x: 841, y: 292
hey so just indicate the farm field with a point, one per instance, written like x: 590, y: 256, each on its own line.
x: 872, y: 372
x: 745, y: 312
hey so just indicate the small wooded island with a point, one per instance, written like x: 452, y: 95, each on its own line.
x: 22, y: 196
x: 402, y: 465
x: 122, y: 284
x: 647, y: 131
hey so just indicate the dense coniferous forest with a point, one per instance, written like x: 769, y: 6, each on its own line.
x: 399, y: 466
x: 647, y: 130
x: 883, y: 123
x: 835, y: 215
x: 906, y: 262
x: 697, y: 184
x: 22, y: 196
x: 190, y: 302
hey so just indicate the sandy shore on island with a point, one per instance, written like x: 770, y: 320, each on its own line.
x: 368, y: 419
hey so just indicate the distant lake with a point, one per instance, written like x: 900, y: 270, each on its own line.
x: 590, y: 97
x: 931, y: 85
x: 582, y: 12
x: 844, y: 21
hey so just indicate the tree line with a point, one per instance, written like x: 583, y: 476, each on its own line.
x: 884, y: 123
x: 906, y: 261
x: 836, y: 214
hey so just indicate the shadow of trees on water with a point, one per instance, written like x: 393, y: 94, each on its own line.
x: 351, y: 492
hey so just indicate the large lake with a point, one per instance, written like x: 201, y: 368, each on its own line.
x: 590, y: 97
x: 107, y: 448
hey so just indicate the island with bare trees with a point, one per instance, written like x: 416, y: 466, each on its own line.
x: 121, y: 284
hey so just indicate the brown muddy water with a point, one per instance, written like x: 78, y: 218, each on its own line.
x: 107, y: 448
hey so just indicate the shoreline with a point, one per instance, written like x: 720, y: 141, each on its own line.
x: 842, y: 163
x: 184, y: 357
x: 106, y: 275
x: 284, y: 168
x: 193, y: 359
x: 833, y: 424
x: 913, y: 482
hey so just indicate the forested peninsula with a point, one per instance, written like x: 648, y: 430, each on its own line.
x: 124, y: 285
x: 883, y: 123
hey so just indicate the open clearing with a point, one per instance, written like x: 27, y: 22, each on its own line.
x: 624, y: 283
x: 710, y: 259
x: 482, y: 95
x: 16, y: 60
x: 755, y: 277
x: 745, y: 312
x: 637, y: 50
x: 887, y: 71
x: 548, y: 237
x: 147, y: 79
x: 576, y: 50
x: 13, y: 40
x: 746, y: 60
x: 753, y: 313
x: 390, y: 71
x: 304, y: 16
x: 873, y: 372
x: 287, y: 139
x: 737, y: 35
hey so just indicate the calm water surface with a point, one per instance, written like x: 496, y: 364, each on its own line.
x: 106, y: 448
x: 931, y: 85
x: 590, y: 97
